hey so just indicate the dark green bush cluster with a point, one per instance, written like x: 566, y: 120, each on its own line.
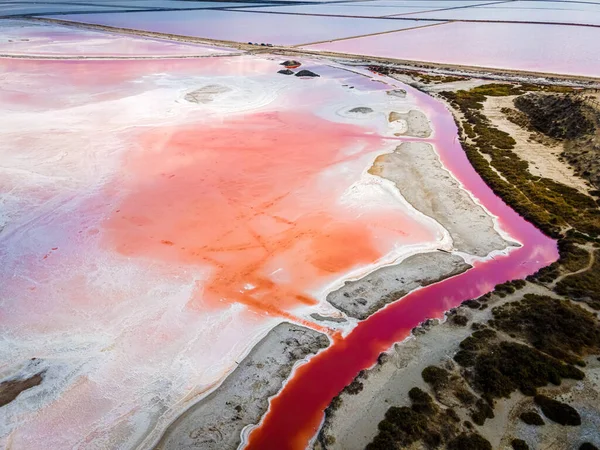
x: 422, y: 401
x: 469, y: 441
x: 473, y: 304
x: 400, y: 428
x: 587, y: 446
x: 510, y: 287
x: 436, y: 376
x: 423, y: 421
x: 478, y: 340
x: 354, y: 388
x: 506, y: 367
x: 583, y: 286
x: 519, y: 444
x: 557, y: 327
x: 557, y: 411
x: 532, y: 418
x: 459, y: 319
x: 557, y: 116
x: 481, y: 412
x: 572, y: 258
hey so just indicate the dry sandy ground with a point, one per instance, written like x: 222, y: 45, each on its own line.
x: 363, y: 297
x: 413, y: 123
x: 543, y: 159
x: 216, y: 421
x: 422, y: 180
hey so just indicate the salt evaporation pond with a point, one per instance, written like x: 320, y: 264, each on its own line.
x: 243, y: 26
x: 539, y: 48
x: 22, y: 37
x: 159, y: 219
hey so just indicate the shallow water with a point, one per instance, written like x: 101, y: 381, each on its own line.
x: 591, y: 17
x: 21, y: 37
x: 242, y: 26
x: 539, y: 48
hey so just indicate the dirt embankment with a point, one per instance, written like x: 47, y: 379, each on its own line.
x: 572, y: 119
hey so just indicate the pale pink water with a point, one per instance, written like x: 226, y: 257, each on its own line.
x: 538, y: 48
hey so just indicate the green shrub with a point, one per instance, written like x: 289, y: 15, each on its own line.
x: 519, y: 444
x: 459, y: 319
x: 482, y: 412
x: 557, y: 327
x: 557, y: 411
x: 532, y: 418
x: 509, y: 366
x: 421, y: 401
x: 469, y: 441
x: 465, y: 358
x: 435, y: 376
x: 587, y: 446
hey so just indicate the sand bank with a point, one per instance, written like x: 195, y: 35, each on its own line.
x: 413, y: 123
x: 422, y: 180
x: 363, y: 297
x: 216, y: 421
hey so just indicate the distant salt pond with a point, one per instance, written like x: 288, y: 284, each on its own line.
x: 537, y: 48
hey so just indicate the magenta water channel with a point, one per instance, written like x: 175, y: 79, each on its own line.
x: 295, y: 414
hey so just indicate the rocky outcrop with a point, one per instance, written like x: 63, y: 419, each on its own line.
x: 306, y: 73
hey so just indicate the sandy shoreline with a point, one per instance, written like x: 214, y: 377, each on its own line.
x: 415, y: 169
x: 217, y: 420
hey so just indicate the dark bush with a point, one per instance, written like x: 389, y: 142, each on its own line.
x: 464, y: 396
x: 508, y: 366
x: 559, y: 328
x: 469, y: 441
x: 587, y: 446
x: 532, y: 418
x: 421, y: 401
x: 465, y: 358
x: 519, y: 444
x: 482, y: 412
x: 354, y: 388
x: 557, y: 116
x: 436, y: 376
x: 459, y: 319
x: 473, y: 304
x: 557, y: 411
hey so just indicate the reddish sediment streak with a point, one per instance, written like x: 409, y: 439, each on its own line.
x: 297, y: 411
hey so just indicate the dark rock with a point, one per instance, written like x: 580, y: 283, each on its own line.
x: 285, y: 72
x: 291, y: 63
x: 306, y: 73
x: 361, y: 110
